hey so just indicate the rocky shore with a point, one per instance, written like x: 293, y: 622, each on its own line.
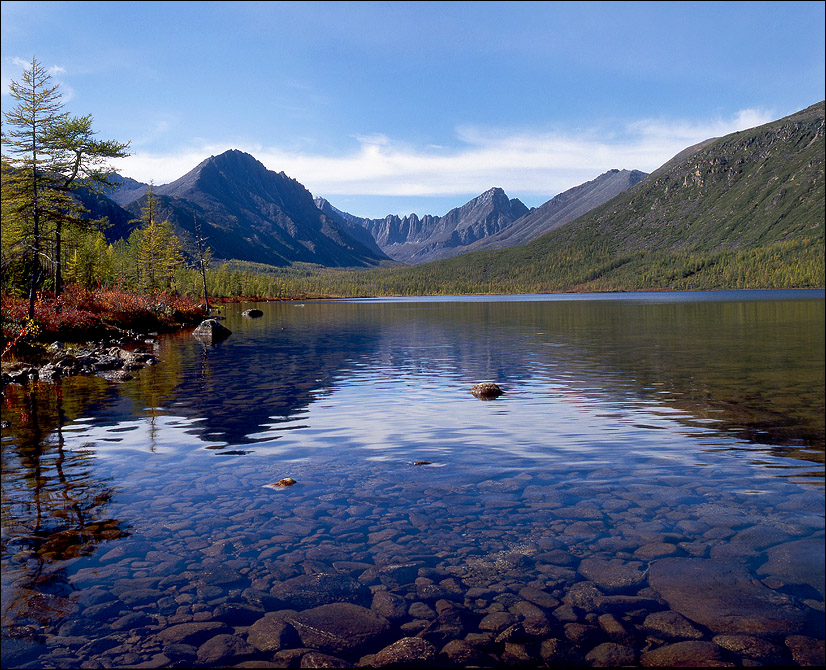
x: 114, y: 360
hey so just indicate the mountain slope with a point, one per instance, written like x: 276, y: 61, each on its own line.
x: 561, y: 209
x: 250, y: 213
x: 413, y: 240
x: 742, y: 211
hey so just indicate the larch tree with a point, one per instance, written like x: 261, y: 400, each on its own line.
x: 157, y: 250
x: 27, y: 183
x: 46, y: 154
x: 79, y: 160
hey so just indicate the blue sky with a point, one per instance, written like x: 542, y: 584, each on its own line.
x: 397, y: 107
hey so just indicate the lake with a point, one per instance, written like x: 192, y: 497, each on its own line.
x: 648, y: 490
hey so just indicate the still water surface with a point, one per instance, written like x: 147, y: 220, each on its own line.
x: 651, y: 477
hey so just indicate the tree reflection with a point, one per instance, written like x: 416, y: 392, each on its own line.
x: 53, y: 507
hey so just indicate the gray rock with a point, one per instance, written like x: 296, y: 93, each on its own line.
x: 252, y: 313
x: 339, y: 628
x: 724, y: 598
x: 210, y: 331
x: 407, y: 652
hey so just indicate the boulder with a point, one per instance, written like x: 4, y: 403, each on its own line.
x: 339, y: 628
x: 210, y: 331
x: 252, y: 313
x: 486, y: 391
x: 724, y: 597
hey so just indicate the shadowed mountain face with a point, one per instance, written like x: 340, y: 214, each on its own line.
x: 249, y: 213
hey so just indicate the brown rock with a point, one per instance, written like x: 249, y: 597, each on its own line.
x: 407, y: 652
x: 671, y: 624
x: 194, y: 633
x: 724, y: 597
x: 224, y: 649
x: 339, y: 628
x: 611, y: 655
x: 486, y: 391
x: 750, y: 647
x: 270, y: 634
x: 683, y: 655
x: 612, y: 576
x: 806, y: 650
x: 315, y: 659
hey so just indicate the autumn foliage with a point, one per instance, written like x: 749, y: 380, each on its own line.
x: 81, y: 314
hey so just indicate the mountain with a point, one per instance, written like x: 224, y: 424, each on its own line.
x: 413, y: 240
x: 561, y: 209
x: 128, y: 190
x: 490, y: 221
x: 741, y: 211
x: 247, y: 212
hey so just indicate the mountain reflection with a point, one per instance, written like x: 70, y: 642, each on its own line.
x: 754, y: 368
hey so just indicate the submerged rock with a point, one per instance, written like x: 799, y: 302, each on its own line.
x: 210, y: 331
x: 724, y: 597
x: 281, y: 483
x: 486, y: 390
x: 339, y: 627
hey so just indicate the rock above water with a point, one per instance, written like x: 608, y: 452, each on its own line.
x: 724, y: 597
x: 252, y: 313
x: 210, y: 331
x: 486, y: 390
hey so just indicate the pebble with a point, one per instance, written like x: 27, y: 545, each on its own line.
x: 338, y: 575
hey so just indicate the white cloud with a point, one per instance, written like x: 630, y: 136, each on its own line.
x: 19, y: 64
x: 524, y: 162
